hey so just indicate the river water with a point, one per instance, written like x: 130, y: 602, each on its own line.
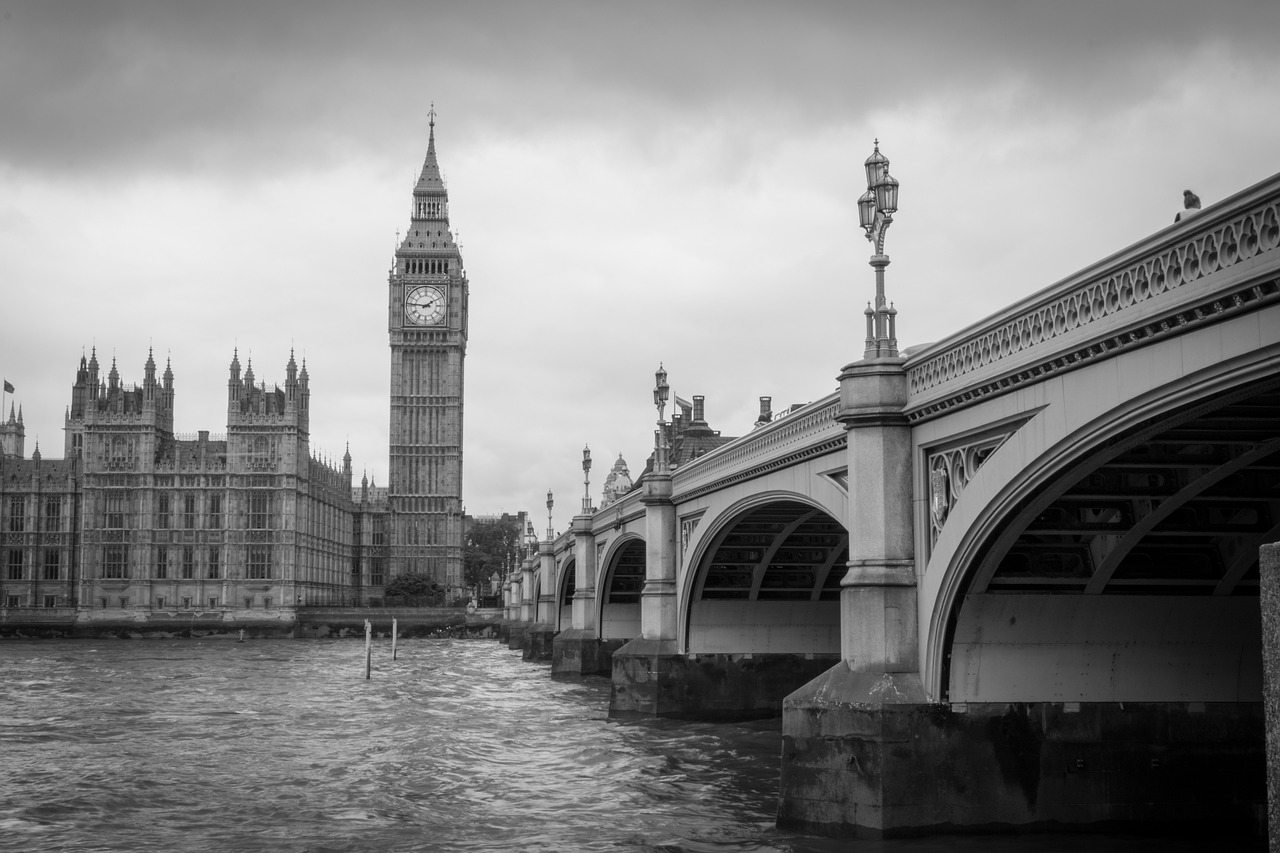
x: 459, y: 745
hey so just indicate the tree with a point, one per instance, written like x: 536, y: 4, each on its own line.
x: 490, y: 546
x: 414, y: 589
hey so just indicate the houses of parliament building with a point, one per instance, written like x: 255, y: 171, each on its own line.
x: 138, y: 522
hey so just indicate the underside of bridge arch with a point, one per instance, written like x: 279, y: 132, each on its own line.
x: 1133, y: 577
x: 564, y: 599
x: 620, y: 599
x: 769, y: 582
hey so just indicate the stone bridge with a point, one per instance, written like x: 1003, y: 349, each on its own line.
x: 1007, y: 579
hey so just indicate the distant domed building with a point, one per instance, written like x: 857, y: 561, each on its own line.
x: 618, y: 483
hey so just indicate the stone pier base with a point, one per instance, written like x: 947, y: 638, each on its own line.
x: 650, y: 679
x: 575, y: 653
x: 517, y: 635
x: 862, y: 757
x: 1269, y: 563
x: 538, y: 641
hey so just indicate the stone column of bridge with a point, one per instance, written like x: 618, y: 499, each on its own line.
x: 847, y: 729
x: 513, y: 628
x: 527, y: 602
x: 577, y: 651
x: 543, y: 630
x: 647, y: 671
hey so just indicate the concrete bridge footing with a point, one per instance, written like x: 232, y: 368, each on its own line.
x: 517, y: 635
x: 649, y: 678
x: 855, y: 765
x: 538, y: 642
x: 577, y: 652
x: 1269, y: 565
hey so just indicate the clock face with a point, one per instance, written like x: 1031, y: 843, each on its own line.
x: 424, y: 306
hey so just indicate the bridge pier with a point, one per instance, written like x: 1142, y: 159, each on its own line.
x: 578, y: 651
x: 543, y: 630
x: 849, y: 759
x: 648, y: 673
x: 1269, y: 558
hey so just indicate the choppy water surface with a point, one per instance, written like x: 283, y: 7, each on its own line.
x: 194, y: 745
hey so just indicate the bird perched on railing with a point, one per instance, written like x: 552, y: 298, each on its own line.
x: 1190, y: 202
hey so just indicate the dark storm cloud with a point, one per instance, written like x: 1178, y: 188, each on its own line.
x: 255, y: 86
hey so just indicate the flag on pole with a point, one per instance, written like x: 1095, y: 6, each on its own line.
x: 8, y: 387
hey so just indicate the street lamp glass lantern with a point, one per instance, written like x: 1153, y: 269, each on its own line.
x: 586, y: 458
x: 887, y: 193
x: 549, y: 501
x: 876, y: 165
x: 867, y: 209
x: 661, y: 389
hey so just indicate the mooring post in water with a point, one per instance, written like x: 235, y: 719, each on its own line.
x: 368, y: 649
x: 394, y: 634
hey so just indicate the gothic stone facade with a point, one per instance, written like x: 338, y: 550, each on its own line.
x: 139, y: 522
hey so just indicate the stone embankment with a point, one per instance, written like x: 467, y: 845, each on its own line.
x: 303, y: 622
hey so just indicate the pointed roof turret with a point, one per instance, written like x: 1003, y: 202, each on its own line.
x: 430, y: 179
x: 430, y: 198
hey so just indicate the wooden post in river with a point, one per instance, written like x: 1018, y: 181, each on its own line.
x: 368, y: 649
x: 394, y: 633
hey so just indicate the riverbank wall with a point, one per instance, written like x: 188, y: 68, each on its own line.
x: 301, y: 622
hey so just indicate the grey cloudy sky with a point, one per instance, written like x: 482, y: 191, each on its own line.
x: 632, y: 183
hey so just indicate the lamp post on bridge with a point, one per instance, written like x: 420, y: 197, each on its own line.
x: 876, y: 207
x: 586, y: 480
x: 551, y: 531
x: 875, y: 692
x: 661, y: 393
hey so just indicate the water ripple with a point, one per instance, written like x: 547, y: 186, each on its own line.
x: 283, y: 746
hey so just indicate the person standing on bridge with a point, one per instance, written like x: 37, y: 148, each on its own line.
x: 1191, y: 205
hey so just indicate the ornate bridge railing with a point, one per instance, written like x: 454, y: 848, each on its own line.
x: 1218, y: 262
x: 813, y: 430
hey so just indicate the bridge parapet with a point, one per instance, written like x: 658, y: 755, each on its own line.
x: 624, y: 510
x: 1222, y: 261
x: 811, y: 431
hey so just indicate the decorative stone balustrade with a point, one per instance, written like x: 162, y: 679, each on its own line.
x: 811, y: 431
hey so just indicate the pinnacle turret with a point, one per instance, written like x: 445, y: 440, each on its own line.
x: 430, y: 198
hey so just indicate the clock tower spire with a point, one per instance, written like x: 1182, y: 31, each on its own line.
x: 427, y: 325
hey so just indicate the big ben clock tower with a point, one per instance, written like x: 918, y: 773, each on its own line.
x: 427, y: 320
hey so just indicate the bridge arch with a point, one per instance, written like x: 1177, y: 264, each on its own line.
x: 764, y: 578
x: 620, y: 585
x: 1102, y: 552
x: 565, y: 586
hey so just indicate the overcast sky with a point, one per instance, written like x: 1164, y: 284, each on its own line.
x: 632, y: 183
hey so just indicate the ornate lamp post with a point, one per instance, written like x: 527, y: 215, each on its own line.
x: 661, y: 393
x: 875, y: 213
x: 551, y: 531
x: 586, y: 480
